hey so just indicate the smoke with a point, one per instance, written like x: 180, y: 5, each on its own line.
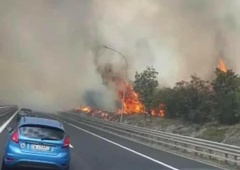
x: 178, y: 38
x: 48, y: 47
x: 45, y: 54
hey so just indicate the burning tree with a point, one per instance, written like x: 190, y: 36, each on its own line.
x: 227, y: 96
x: 131, y: 104
x: 145, y: 85
x: 221, y: 66
x: 137, y: 99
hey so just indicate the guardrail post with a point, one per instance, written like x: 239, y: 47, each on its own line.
x: 185, y: 148
x: 236, y: 158
x: 210, y: 151
x: 196, y: 153
x: 226, y: 156
x: 175, y: 144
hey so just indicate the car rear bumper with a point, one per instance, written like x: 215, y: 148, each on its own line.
x: 36, y: 165
x: 24, y: 160
x: 15, y: 157
x: 33, y: 164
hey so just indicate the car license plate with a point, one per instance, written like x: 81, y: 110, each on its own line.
x: 40, y: 147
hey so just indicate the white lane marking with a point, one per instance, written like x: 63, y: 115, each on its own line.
x: 4, y: 125
x: 121, y: 146
x: 70, y: 146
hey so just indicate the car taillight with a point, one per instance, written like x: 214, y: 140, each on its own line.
x: 15, y: 137
x: 66, y: 142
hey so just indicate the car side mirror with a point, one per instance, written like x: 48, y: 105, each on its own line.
x: 9, y: 129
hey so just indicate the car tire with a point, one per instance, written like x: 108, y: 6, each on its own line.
x: 67, y: 168
x: 3, y: 166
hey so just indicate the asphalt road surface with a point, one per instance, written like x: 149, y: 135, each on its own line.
x: 6, y: 113
x: 97, y: 150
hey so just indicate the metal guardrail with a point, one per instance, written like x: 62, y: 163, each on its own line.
x: 199, y: 147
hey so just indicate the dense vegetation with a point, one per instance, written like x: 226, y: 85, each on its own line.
x: 198, y: 101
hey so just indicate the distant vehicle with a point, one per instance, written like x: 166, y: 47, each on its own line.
x: 37, y: 142
x: 24, y: 112
x: 29, y: 111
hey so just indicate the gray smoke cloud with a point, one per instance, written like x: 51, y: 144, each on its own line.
x: 48, y: 47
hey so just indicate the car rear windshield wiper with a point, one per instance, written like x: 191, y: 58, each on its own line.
x: 49, y: 138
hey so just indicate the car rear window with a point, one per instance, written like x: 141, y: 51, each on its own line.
x: 41, y: 132
x: 26, y: 110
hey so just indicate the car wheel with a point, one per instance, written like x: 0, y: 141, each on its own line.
x: 3, y: 166
x: 67, y: 168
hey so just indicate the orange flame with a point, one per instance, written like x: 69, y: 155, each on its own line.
x: 131, y: 103
x: 86, y: 109
x: 222, y: 66
x: 160, y: 111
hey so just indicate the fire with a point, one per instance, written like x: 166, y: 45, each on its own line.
x: 222, y: 66
x: 104, y: 115
x: 131, y: 103
x: 160, y: 111
x: 86, y: 109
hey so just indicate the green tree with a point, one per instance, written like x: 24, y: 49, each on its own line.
x: 191, y: 101
x: 169, y: 98
x: 199, y: 100
x: 227, y: 96
x: 145, y: 85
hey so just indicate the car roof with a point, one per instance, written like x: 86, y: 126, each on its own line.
x: 41, y: 121
x: 27, y: 109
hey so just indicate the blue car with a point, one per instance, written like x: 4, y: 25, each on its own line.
x: 37, y: 143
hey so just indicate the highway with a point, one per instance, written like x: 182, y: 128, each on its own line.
x: 93, y: 149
